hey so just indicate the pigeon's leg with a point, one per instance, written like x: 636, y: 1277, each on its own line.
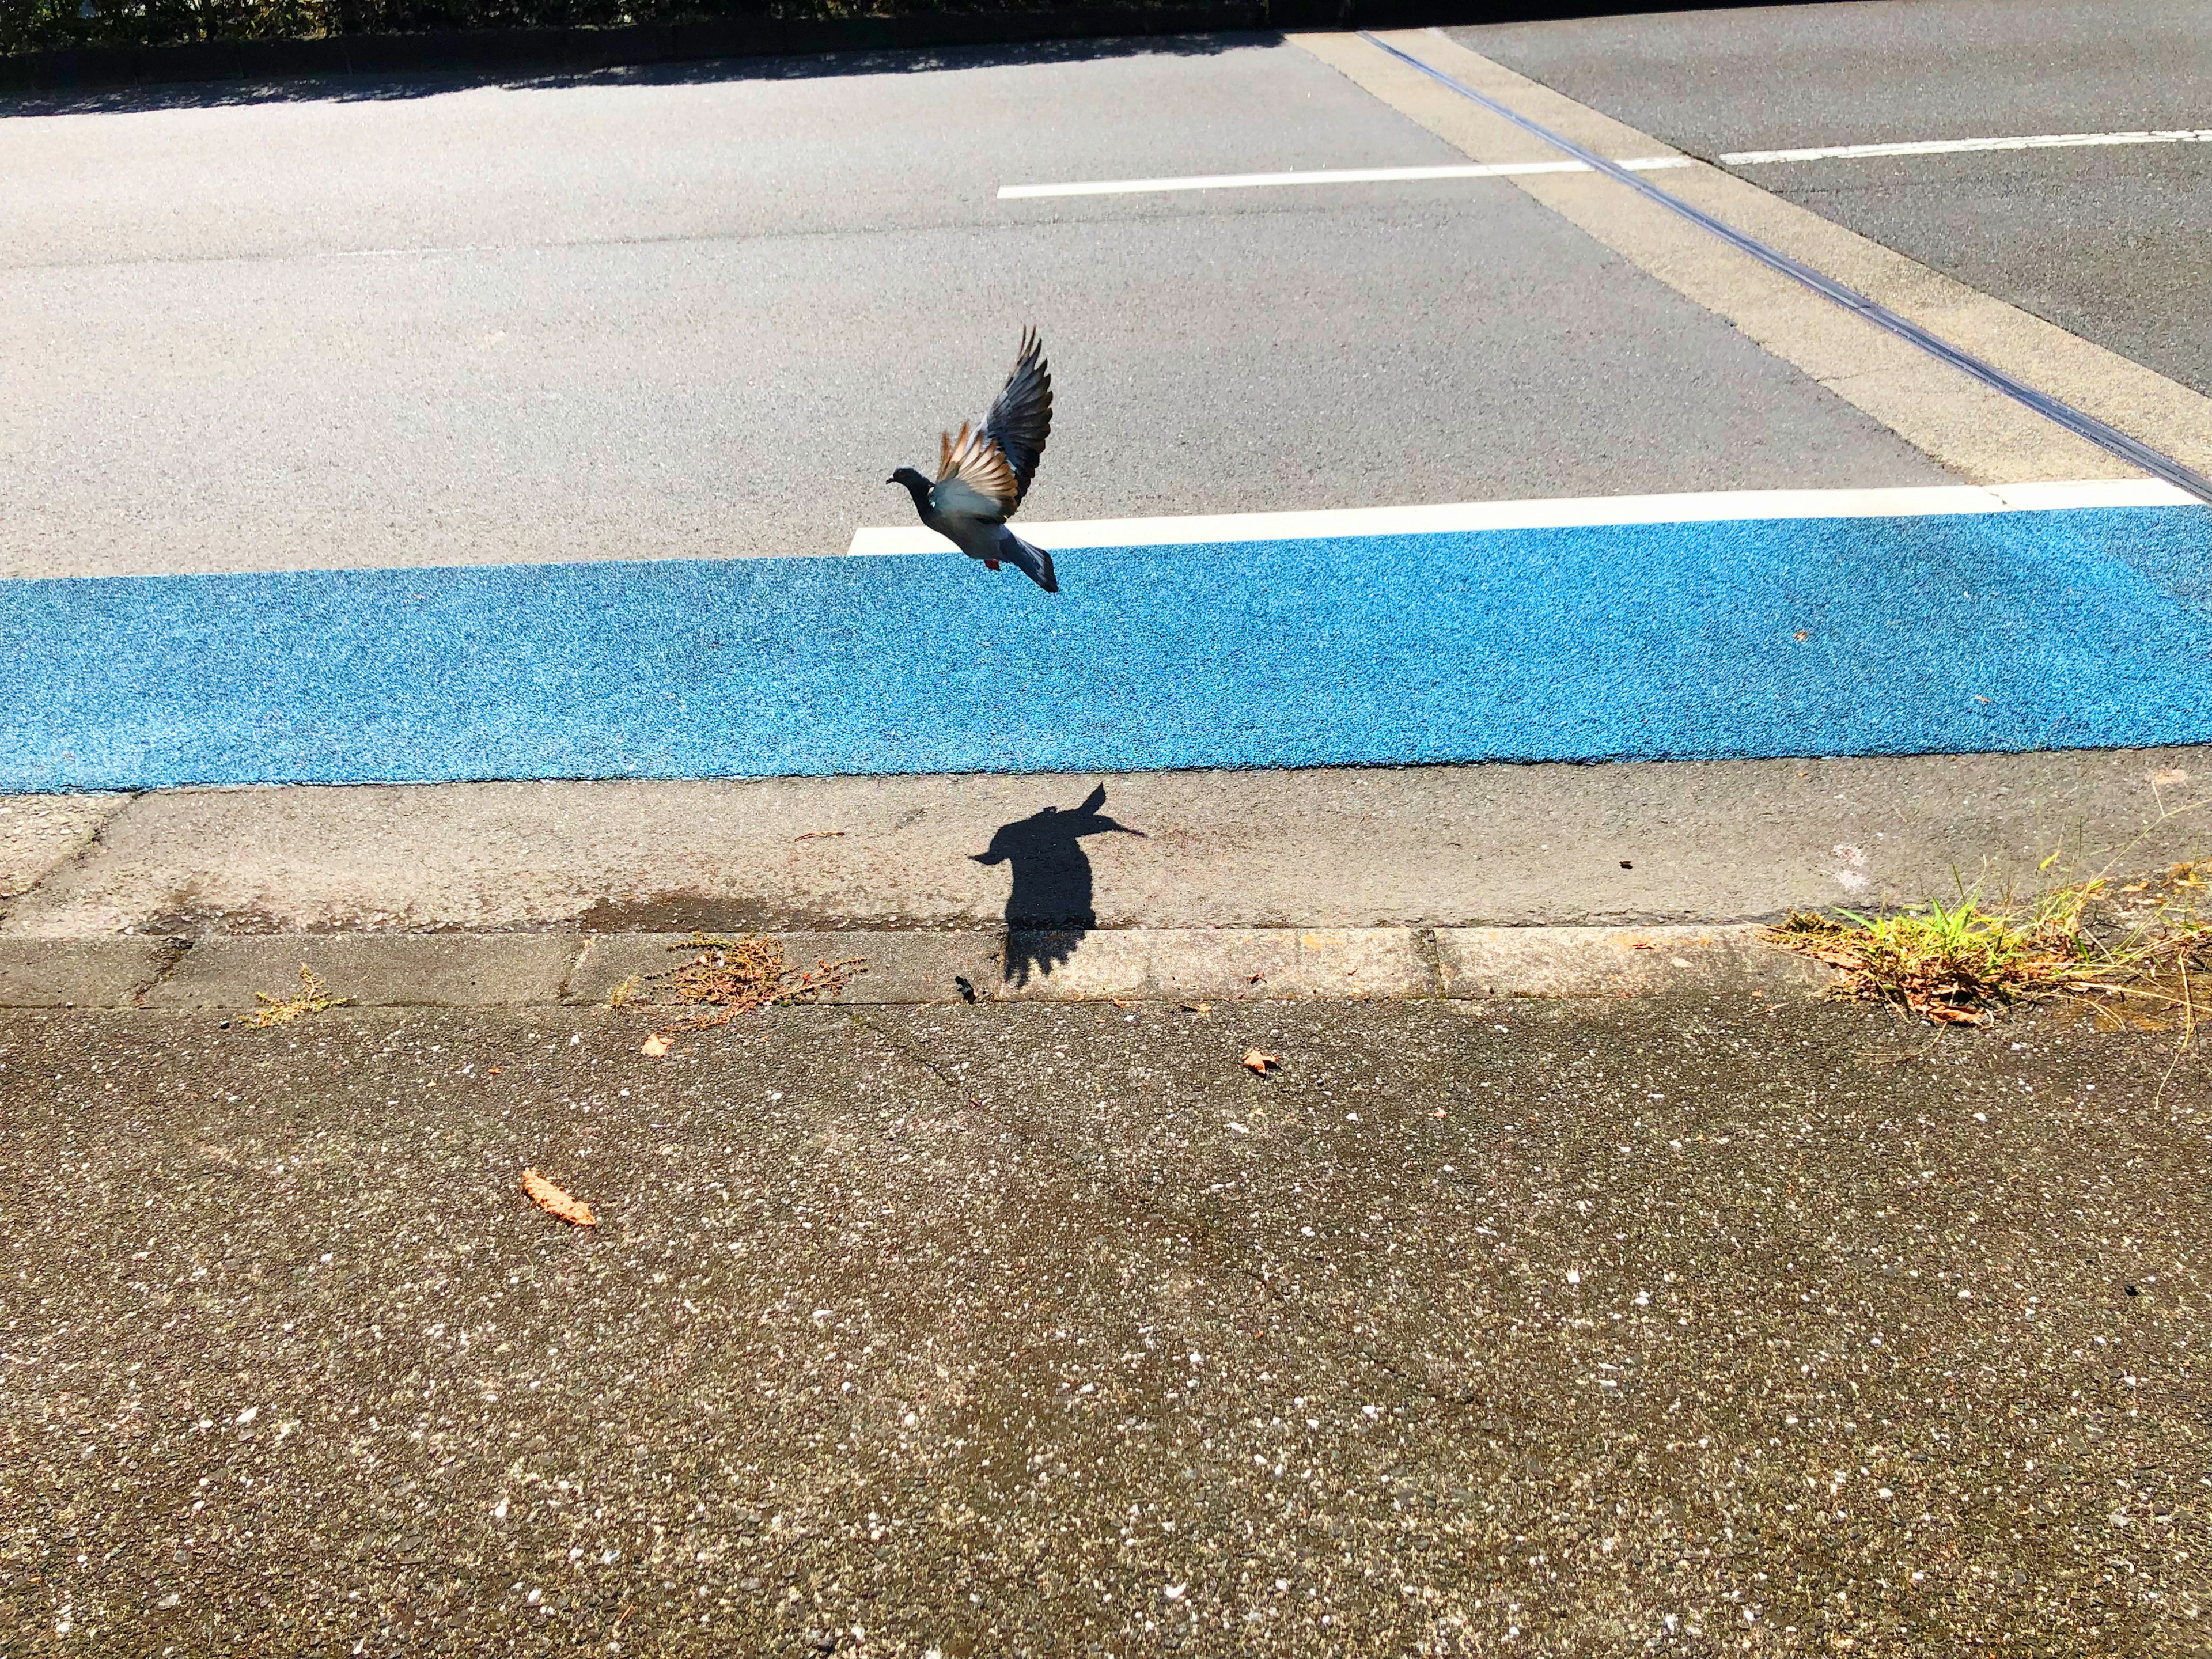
x: 990, y: 564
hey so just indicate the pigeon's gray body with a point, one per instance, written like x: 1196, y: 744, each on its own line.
x: 992, y: 542
x: 983, y: 474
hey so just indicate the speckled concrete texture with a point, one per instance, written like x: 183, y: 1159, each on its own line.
x: 1681, y: 1327
x: 1446, y: 846
x: 40, y: 834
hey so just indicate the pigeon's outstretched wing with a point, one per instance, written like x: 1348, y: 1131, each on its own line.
x: 984, y: 472
x: 1021, y: 417
x: 973, y: 478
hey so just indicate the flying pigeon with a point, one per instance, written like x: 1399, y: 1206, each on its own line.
x: 982, y: 474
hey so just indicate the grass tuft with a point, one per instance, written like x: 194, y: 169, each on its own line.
x: 1962, y: 963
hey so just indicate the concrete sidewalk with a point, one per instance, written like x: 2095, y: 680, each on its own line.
x: 1227, y: 886
x: 1443, y: 881
x: 1685, y: 1325
x: 1501, y: 846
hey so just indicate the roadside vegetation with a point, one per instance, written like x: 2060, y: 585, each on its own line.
x: 314, y: 998
x: 48, y: 25
x: 722, y: 978
x: 2139, y: 952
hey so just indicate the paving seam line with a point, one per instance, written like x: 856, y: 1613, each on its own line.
x: 236, y: 973
x: 1430, y: 953
x: 576, y: 966
x: 2078, y: 422
x: 1973, y: 429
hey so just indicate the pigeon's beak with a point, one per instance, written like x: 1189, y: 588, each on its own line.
x: 891, y: 481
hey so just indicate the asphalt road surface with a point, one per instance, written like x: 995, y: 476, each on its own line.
x: 2107, y: 242
x: 1505, y: 1327
x: 707, y: 312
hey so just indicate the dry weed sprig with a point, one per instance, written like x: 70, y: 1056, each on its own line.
x: 282, y: 1010
x: 726, y: 977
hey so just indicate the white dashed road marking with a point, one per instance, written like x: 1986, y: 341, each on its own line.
x: 1752, y: 158
x: 1321, y: 176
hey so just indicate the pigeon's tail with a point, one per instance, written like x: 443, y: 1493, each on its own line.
x: 1032, y: 561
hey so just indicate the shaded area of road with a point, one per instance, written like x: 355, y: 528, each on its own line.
x: 1021, y: 1329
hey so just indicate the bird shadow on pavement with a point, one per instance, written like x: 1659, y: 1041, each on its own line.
x: 1049, y: 905
x: 376, y: 87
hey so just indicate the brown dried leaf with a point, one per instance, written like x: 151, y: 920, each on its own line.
x: 1944, y: 1013
x: 654, y: 1044
x: 1260, y: 1065
x: 552, y: 1200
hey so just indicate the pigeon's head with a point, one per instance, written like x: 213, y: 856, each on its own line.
x: 916, y: 485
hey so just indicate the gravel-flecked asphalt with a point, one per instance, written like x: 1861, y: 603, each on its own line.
x: 1529, y: 1328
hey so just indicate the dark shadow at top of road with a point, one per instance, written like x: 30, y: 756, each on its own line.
x: 381, y: 88
x: 1050, y: 903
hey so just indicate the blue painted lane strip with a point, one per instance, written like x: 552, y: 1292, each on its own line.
x: 1972, y: 633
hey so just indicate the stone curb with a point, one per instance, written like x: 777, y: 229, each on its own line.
x: 373, y: 970
x: 516, y: 971
x: 91, y: 973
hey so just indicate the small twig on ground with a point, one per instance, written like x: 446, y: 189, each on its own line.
x: 2188, y: 1037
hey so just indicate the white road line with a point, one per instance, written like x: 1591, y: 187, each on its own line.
x: 1704, y: 507
x: 1322, y: 176
x: 1752, y: 158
